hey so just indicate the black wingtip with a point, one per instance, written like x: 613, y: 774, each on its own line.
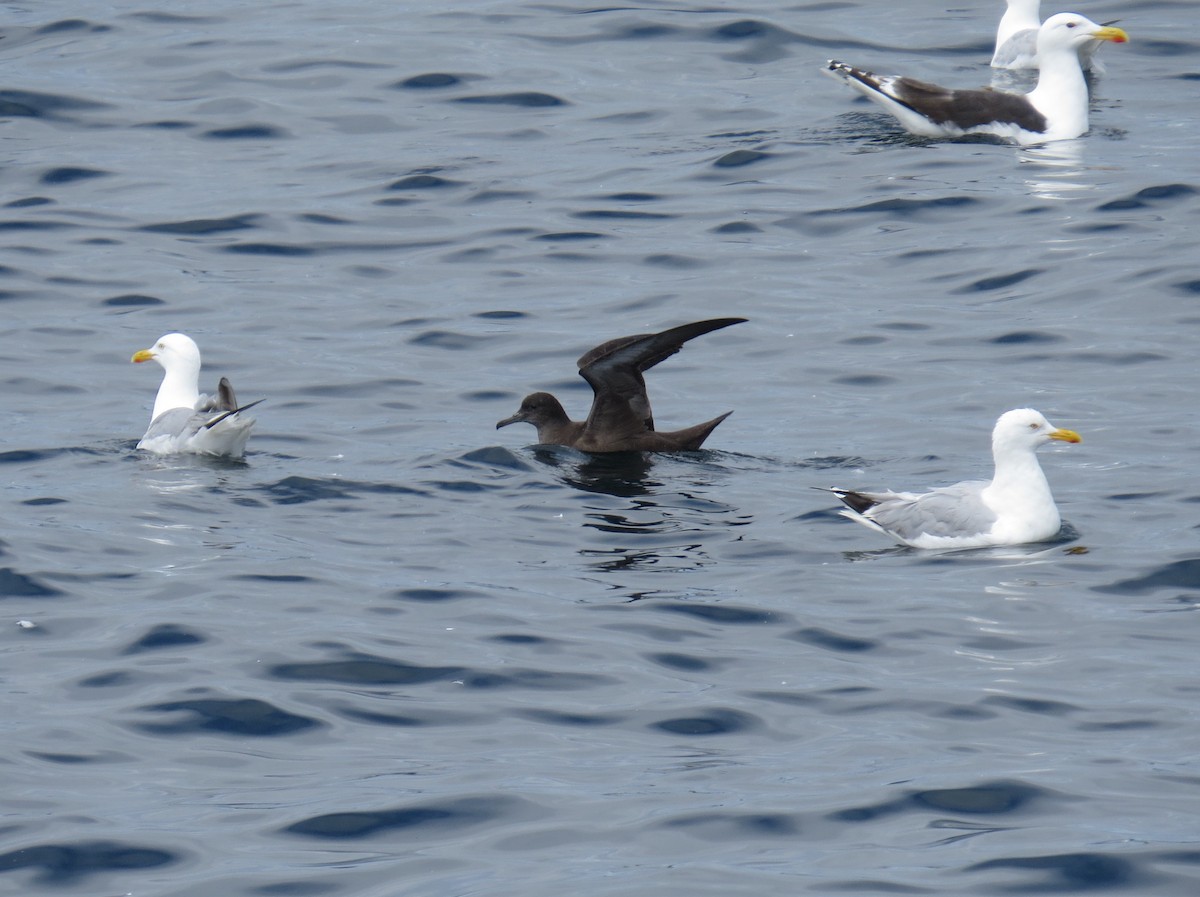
x: 855, y: 501
x: 232, y: 411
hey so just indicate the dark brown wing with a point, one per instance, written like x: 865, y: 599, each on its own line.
x: 226, y: 400
x: 222, y: 400
x: 966, y: 108
x: 614, y: 371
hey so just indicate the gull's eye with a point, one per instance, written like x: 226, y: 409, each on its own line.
x: 1072, y: 24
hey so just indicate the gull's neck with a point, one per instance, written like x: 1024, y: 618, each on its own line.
x: 1018, y: 480
x: 1061, y: 94
x: 179, y: 389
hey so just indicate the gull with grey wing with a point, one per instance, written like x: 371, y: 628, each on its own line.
x: 1013, y: 508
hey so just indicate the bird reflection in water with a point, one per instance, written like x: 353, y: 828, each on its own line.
x: 652, y: 530
x: 1056, y: 170
x: 623, y: 474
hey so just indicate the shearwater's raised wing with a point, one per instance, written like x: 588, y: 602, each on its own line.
x: 620, y: 418
x: 614, y: 371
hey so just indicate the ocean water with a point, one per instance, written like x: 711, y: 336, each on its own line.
x: 396, y: 652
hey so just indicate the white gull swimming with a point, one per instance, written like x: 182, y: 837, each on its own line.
x: 1013, y: 508
x: 183, y: 420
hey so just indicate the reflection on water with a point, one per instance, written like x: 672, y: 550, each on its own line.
x: 1056, y: 170
x: 1042, y: 552
x: 646, y: 523
x: 621, y: 474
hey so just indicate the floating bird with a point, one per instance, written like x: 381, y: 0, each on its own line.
x: 620, y: 419
x: 1014, y: 508
x: 1016, y: 39
x: 183, y: 420
x: 1056, y: 109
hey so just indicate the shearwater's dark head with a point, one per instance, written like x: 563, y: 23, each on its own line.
x: 540, y: 409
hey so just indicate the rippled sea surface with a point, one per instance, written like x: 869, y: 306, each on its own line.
x: 397, y: 652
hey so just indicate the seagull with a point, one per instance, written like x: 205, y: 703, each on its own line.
x: 183, y: 420
x: 1056, y: 109
x: 1016, y: 39
x: 620, y: 419
x: 1015, y: 507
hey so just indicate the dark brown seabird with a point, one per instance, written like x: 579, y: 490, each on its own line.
x: 620, y: 419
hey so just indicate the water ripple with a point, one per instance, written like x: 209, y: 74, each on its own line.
x: 62, y: 865
x: 1073, y: 872
x: 363, y: 669
x: 415, y: 820
x: 990, y: 798
x: 241, y: 717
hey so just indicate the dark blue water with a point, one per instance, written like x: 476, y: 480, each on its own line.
x: 396, y: 652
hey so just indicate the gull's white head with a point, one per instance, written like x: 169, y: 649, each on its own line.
x: 180, y: 360
x: 1026, y: 428
x: 1069, y: 31
x: 172, y: 351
